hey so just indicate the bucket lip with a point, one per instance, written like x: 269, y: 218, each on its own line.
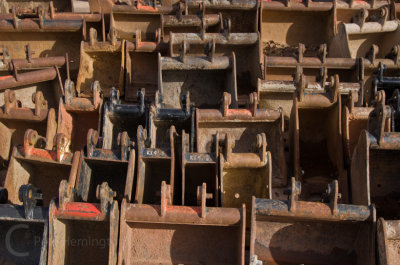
x: 12, y: 212
x: 279, y: 210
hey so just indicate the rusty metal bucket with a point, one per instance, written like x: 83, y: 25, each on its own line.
x: 39, y: 163
x: 279, y: 93
x: 374, y: 176
x: 53, y: 33
x: 24, y: 229
x: 285, y: 24
x: 76, y: 115
x: 355, y: 120
x: 156, y: 163
x: 198, y: 167
x: 15, y: 120
x: 99, y: 164
x: 316, y: 141
x: 182, y: 16
x: 388, y: 241
x: 141, y: 67
x: 301, y: 232
x: 169, y: 234
x: 206, y: 78
x: 244, y: 175
x: 244, y: 125
x: 355, y: 40
x: 83, y: 233
x: 96, y: 58
x: 244, y: 45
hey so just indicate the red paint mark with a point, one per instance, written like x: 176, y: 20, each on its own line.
x: 80, y: 209
x: 6, y: 77
x: 41, y: 153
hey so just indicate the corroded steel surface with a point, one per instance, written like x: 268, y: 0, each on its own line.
x: 272, y: 128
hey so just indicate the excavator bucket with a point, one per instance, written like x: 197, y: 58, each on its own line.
x: 374, y: 176
x: 367, y: 35
x: 244, y: 175
x: 274, y: 92
x: 82, y: 232
x: 76, y: 114
x: 201, y: 76
x: 15, y: 120
x: 141, y: 66
x: 285, y: 24
x: 316, y: 141
x: 99, y: 164
x: 95, y: 60
x: 28, y: 222
x: 245, y: 126
x: 54, y: 32
x: 288, y: 232
x: 355, y: 120
x: 27, y: 76
x: 169, y: 234
x: 119, y: 117
x: 156, y: 163
x: 41, y: 164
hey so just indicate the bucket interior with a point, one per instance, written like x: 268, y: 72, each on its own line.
x: 81, y: 242
x: 287, y: 29
x: 127, y: 24
x: 240, y: 184
x: 312, y: 243
x: 156, y: 171
x: 150, y: 243
x: 21, y: 241
x: 318, y: 141
x: 196, y: 175
x: 44, y: 175
x: 385, y: 182
x: 96, y: 66
x: 115, y: 124
x: 143, y: 74
x: 206, y: 87
x: 96, y: 171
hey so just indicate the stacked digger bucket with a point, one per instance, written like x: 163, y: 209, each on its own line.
x: 200, y: 132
